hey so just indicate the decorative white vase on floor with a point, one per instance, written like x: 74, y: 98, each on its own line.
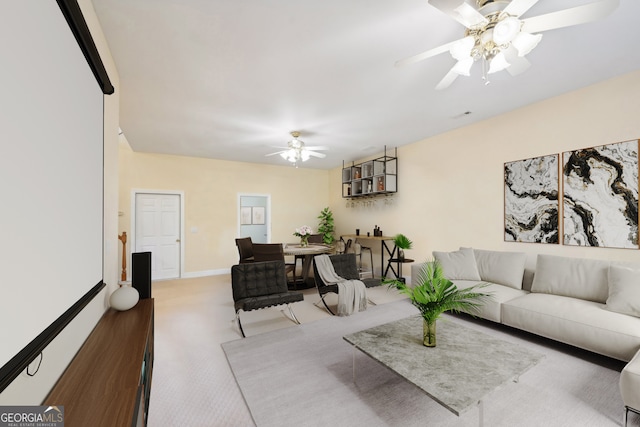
x: 124, y: 298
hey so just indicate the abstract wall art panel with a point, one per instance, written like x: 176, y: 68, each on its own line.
x: 600, y: 187
x: 531, y: 200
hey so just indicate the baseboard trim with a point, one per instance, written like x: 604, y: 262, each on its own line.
x: 204, y: 273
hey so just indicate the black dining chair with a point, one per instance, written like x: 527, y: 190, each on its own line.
x: 272, y: 252
x: 245, y: 249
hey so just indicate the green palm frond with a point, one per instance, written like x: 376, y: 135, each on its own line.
x: 401, y: 241
x: 434, y: 294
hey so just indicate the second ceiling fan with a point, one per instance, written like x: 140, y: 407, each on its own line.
x: 296, y: 151
x: 497, y: 37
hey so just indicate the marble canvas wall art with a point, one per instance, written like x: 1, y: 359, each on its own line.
x: 600, y: 187
x: 531, y: 200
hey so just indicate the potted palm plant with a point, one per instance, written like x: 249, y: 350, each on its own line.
x: 434, y: 294
x: 402, y: 242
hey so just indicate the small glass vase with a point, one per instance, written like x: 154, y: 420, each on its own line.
x: 304, y: 241
x: 428, y: 333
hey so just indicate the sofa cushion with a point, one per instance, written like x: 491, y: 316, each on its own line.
x: 577, y: 322
x: 585, y: 279
x: 491, y: 308
x: 458, y: 265
x: 503, y: 268
x: 624, y: 290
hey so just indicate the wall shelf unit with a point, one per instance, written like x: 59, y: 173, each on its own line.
x: 371, y: 178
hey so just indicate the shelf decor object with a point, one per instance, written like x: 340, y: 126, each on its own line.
x: 124, y: 298
x: 531, y: 200
x: 374, y: 177
x: 601, y: 196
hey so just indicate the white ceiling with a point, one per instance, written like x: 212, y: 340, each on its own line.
x: 229, y: 79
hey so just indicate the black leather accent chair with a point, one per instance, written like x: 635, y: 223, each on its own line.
x: 245, y: 249
x: 259, y: 285
x: 345, y: 266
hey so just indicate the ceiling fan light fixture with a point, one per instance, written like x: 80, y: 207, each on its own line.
x: 525, y: 42
x: 498, y: 63
x: 463, y: 48
x: 463, y: 67
x: 506, y: 30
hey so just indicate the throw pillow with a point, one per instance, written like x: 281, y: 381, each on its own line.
x: 458, y: 265
x: 624, y: 290
x: 503, y: 268
x: 572, y: 277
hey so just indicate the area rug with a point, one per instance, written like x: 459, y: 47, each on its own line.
x: 304, y: 376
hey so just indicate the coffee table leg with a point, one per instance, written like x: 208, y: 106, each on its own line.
x: 353, y: 364
x: 481, y: 413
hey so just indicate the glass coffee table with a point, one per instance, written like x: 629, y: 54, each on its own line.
x: 464, y: 367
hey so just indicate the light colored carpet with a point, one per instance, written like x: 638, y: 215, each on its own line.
x: 302, y: 376
x: 192, y: 383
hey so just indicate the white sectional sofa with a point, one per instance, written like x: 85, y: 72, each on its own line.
x: 591, y: 304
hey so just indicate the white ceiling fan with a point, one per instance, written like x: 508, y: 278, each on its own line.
x: 296, y: 151
x: 496, y: 36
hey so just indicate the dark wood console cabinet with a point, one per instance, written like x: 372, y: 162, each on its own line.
x: 108, y: 383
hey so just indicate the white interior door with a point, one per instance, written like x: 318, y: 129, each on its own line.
x: 157, y: 230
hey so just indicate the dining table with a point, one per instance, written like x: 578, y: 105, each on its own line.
x: 306, y: 279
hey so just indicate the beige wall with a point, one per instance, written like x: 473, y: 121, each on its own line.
x: 211, y: 189
x: 451, y: 185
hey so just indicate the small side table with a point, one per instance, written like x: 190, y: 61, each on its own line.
x: 398, y: 270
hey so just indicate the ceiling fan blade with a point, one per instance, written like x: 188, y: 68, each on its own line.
x: 568, y: 17
x: 519, y: 7
x: 518, y: 64
x: 428, y: 54
x: 461, y: 12
x: 316, y: 147
x: 446, y: 81
x: 314, y: 154
x: 277, y: 152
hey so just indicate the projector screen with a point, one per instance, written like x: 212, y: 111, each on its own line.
x: 51, y: 170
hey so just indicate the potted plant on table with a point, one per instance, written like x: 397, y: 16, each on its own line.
x: 402, y: 242
x: 434, y: 294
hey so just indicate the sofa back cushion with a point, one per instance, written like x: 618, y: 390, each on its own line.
x: 458, y: 265
x: 624, y: 290
x: 585, y: 279
x: 502, y: 268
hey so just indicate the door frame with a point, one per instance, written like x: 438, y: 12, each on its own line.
x: 132, y: 237
x: 268, y: 214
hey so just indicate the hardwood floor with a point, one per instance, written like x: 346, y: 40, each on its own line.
x: 192, y: 382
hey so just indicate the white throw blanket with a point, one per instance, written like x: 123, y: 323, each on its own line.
x: 352, y: 294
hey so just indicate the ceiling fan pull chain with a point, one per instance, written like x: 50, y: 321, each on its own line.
x: 485, y: 75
